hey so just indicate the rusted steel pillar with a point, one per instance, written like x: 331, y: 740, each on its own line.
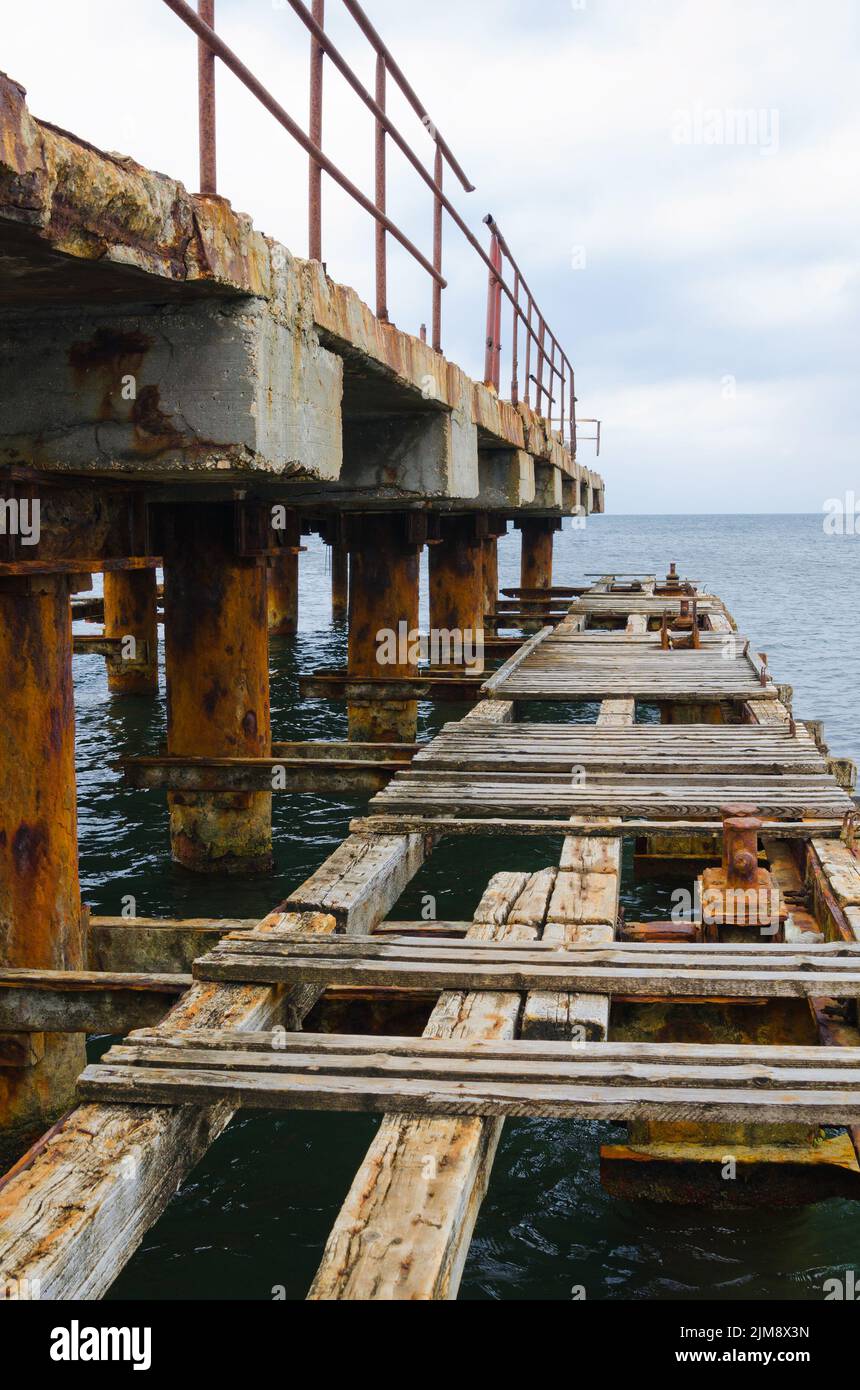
x: 40, y: 898
x: 383, y: 623
x: 491, y: 574
x: 536, y: 565
x: 339, y: 582
x: 283, y: 594
x: 283, y: 586
x: 457, y: 577
x: 217, y: 655
x: 131, y: 612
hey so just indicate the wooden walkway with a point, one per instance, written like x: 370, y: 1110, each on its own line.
x: 562, y: 668
x: 524, y: 994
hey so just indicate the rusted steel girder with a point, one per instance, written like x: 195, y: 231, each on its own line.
x: 131, y: 611
x: 217, y: 653
x: 383, y: 622
x: 40, y: 898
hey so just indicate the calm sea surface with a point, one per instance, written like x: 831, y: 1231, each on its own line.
x: 254, y: 1215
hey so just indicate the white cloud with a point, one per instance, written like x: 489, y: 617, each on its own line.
x: 701, y: 260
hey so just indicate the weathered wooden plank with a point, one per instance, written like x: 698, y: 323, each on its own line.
x: 499, y: 1049
x: 71, y: 1218
x: 473, y: 1070
x: 513, y: 664
x: 405, y: 1227
x: 346, y: 776
x: 411, y: 824
x: 620, y: 1104
x: 362, y: 880
x: 666, y: 977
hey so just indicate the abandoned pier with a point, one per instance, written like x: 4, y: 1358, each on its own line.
x: 184, y: 404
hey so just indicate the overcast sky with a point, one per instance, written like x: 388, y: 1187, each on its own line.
x: 702, y: 270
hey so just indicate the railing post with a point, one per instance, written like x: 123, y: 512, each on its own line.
x: 437, y: 250
x: 494, y: 311
x: 315, y: 132
x: 497, y: 320
x: 381, y: 238
x: 206, y: 103
x: 541, y: 356
x: 573, y: 440
x: 529, y: 336
x: 515, y: 365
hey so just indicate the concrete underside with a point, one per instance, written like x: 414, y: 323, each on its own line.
x: 146, y: 333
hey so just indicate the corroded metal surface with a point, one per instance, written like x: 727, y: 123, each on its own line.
x: 383, y: 595
x: 457, y: 578
x: 217, y: 655
x: 131, y: 611
x: 40, y: 901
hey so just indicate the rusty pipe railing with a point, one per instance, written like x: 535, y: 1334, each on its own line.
x: 561, y: 374
x: 542, y: 347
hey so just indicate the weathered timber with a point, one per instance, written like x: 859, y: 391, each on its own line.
x: 361, y: 881
x: 72, y: 1217
x: 359, y: 776
x: 627, y: 968
x: 405, y: 1226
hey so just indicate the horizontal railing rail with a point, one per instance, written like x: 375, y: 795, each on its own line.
x: 549, y: 380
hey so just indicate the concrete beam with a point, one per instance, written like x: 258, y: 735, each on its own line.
x: 183, y: 391
x: 428, y: 455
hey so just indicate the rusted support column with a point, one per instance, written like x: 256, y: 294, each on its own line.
x: 383, y: 622
x: 40, y: 896
x: 491, y: 574
x: 217, y: 655
x: 283, y: 585
x: 457, y: 576
x: 536, y: 566
x: 339, y: 582
x: 131, y: 612
x: 283, y: 595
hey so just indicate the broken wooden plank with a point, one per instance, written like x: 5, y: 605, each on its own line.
x: 405, y: 1227
x: 72, y: 1216
x: 362, y: 880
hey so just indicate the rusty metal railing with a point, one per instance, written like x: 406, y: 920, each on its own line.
x: 548, y: 368
x: 592, y: 438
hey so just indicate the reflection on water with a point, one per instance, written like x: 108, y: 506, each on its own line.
x: 254, y: 1215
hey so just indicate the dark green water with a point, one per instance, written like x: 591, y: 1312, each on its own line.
x: 254, y: 1215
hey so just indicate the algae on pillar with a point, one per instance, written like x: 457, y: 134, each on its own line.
x: 131, y: 612
x: 217, y: 655
x: 41, y: 923
x: 383, y: 622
